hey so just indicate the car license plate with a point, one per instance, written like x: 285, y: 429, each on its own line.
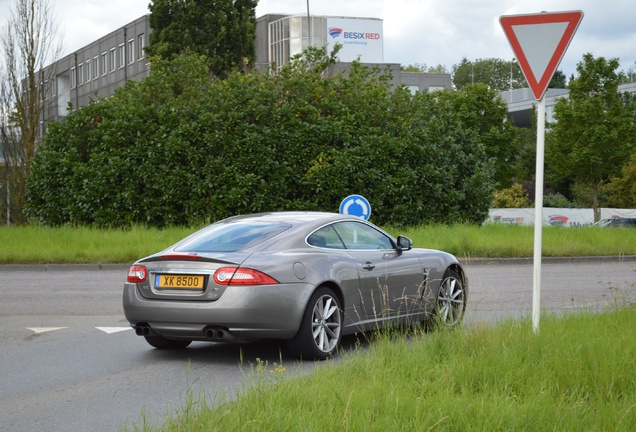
x: 176, y: 281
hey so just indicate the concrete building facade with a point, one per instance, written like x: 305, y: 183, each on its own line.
x: 98, y: 69
x: 279, y: 37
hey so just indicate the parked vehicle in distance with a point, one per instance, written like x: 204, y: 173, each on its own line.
x: 305, y: 277
x: 619, y: 222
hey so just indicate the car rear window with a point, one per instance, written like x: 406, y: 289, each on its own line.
x: 231, y: 237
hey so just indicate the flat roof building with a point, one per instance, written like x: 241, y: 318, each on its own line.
x: 280, y: 37
x: 521, y: 102
x: 102, y: 66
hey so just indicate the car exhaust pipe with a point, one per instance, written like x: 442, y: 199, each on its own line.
x: 217, y: 334
x: 214, y: 334
x: 142, y: 330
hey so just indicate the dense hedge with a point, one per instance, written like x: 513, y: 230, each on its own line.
x: 181, y: 147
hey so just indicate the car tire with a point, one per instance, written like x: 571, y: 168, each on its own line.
x: 450, y: 305
x: 161, y: 342
x: 320, y: 330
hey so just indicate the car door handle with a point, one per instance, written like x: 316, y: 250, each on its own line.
x: 368, y: 266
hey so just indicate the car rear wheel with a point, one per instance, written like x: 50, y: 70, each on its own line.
x: 451, y: 303
x: 320, y: 329
x: 161, y: 342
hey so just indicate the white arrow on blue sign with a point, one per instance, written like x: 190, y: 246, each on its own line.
x: 356, y: 205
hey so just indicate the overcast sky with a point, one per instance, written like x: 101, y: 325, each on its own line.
x: 427, y: 32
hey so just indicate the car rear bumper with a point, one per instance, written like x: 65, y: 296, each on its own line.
x: 242, y: 313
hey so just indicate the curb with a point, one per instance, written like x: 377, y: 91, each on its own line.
x: 468, y: 262
x: 62, y: 267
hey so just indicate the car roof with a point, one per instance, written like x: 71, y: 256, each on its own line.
x: 291, y: 217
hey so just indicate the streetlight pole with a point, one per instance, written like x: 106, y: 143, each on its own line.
x: 308, y: 26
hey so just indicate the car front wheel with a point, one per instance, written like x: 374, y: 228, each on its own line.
x: 451, y: 303
x: 320, y: 329
x: 451, y: 300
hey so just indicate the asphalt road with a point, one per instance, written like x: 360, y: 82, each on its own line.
x: 69, y: 361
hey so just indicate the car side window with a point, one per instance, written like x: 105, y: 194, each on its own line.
x: 326, y: 237
x: 360, y: 236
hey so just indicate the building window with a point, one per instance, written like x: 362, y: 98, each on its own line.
x: 112, y: 59
x: 122, y: 56
x: 88, y: 71
x: 140, y: 46
x: 80, y: 74
x: 95, y: 67
x: 104, y: 63
x: 131, y: 51
x: 73, y: 78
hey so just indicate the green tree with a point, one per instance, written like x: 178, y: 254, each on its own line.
x: 496, y: 73
x: 594, y: 132
x: 482, y: 109
x: 27, y: 43
x: 622, y: 188
x: 221, y: 30
x: 558, y: 80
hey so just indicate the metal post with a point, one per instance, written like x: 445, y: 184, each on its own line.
x: 511, y: 63
x: 8, y: 203
x: 538, y: 216
x: 308, y: 25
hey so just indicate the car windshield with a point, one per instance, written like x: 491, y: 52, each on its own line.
x: 231, y: 237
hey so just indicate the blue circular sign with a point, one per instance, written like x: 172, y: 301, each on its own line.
x: 356, y: 205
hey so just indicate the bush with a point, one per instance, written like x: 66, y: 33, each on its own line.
x: 556, y: 200
x: 513, y: 197
x: 181, y: 147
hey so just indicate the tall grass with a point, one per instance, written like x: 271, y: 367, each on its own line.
x: 578, y: 374
x: 36, y: 244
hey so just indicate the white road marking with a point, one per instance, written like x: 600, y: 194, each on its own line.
x: 110, y: 330
x: 38, y: 330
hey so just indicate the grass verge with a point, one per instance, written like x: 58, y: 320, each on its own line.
x: 65, y: 245
x: 579, y: 373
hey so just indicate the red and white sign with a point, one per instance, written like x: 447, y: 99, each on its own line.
x: 539, y: 42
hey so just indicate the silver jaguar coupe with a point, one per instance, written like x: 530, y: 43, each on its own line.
x: 306, y: 277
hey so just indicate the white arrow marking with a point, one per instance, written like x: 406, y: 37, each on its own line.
x: 38, y: 330
x: 110, y: 330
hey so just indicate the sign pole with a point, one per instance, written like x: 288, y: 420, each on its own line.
x: 538, y: 215
x: 539, y: 42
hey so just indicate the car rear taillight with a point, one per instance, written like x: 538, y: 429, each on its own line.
x: 242, y: 276
x: 137, y: 274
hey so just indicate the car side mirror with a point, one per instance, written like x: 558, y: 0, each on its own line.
x: 404, y: 243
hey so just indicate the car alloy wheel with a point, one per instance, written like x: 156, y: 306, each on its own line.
x: 321, y: 326
x: 326, y: 323
x: 451, y: 300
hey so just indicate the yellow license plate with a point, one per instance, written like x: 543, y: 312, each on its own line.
x: 176, y: 281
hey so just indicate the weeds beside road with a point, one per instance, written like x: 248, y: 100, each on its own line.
x: 577, y: 374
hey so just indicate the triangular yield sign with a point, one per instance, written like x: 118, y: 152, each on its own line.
x: 539, y: 42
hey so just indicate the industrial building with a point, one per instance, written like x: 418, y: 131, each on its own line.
x: 98, y: 69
